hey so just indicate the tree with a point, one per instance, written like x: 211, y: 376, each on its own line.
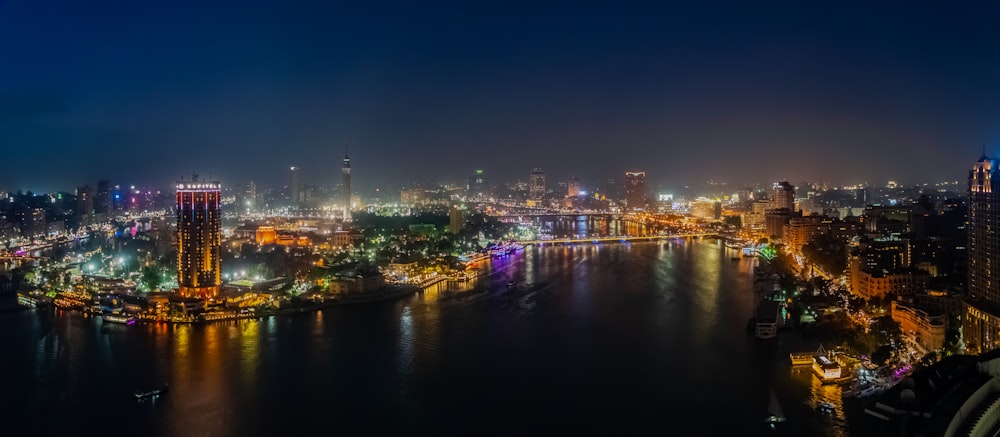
x: 887, y: 330
x: 260, y: 270
x: 827, y: 252
x: 953, y: 336
x: 151, y: 278
x: 882, y: 355
x: 31, y: 276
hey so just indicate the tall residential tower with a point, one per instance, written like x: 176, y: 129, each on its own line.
x: 784, y: 196
x: 199, y: 236
x: 635, y: 190
x: 536, y: 184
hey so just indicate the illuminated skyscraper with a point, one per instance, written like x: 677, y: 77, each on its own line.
x: 784, y: 196
x: 982, y: 319
x: 536, y: 184
x: 477, y: 185
x: 635, y: 189
x: 573, y: 188
x: 346, y: 175
x: 984, y: 225
x: 199, y: 236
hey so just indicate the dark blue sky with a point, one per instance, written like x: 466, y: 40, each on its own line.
x: 144, y: 91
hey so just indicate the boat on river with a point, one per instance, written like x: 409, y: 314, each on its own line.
x: 766, y: 319
x: 150, y: 394
x: 774, y: 413
x: 118, y: 318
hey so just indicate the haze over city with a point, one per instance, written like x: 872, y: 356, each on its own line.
x: 561, y: 218
x: 737, y: 92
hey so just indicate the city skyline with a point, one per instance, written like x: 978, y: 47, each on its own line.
x: 265, y: 217
x: 833, y: 93
x: 554, y: 184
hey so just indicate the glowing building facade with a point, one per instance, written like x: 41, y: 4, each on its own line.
x: 536, y: 184
x: 199, y: 236
x: 635, y: 190
x: 784, y: 196
x: 981, y: 331
x: 984, y: 234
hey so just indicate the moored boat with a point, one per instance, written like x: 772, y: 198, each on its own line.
x: 118, y: 318
x: 766, y: 320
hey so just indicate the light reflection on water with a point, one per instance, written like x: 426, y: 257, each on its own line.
x: 593, y: 338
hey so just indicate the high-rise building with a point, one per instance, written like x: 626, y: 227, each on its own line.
x: 635, y: 190
x: 248, y: 198
x: 84, y: 200
x: 102, y: 200
x: 31, y: 221
x: 784, y: 196
x: 84, y: 205
x: 294, y: 188
x: 981, y: 332
x: 456, y: 220
x: 346, y: 185
x: 477, y: 184
x: 573, y: 188
x: 118, y: 198
x: 984, y: 231
x: 536, y: 184
x: 199, y: 237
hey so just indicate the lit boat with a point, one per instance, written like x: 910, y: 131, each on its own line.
x: 151, y: 394
x: 774, y: 413
x: 826, y: 407
x: 118, y: 318
x: 766, y: 320
x: 505, y: 249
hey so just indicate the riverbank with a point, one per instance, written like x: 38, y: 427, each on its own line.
x: 390, y: 293
x: 579, y: 327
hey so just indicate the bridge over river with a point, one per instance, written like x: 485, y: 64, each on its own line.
x: 620, y: 239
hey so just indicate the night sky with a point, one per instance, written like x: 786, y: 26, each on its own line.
x: 145, y: 91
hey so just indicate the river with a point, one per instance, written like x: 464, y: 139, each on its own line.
x: 641, y: 338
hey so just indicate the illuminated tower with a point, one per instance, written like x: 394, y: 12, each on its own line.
x: 635, y: 189
x: 199, y: 236
x: 784, y: 196
x: 346, y: 170
x: 573, y: 188
x: 477, y: 185
x: 981, y: 332
x: 984, y: 230
x: 536, y: 184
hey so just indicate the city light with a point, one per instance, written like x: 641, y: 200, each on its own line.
x: 767, y: 216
